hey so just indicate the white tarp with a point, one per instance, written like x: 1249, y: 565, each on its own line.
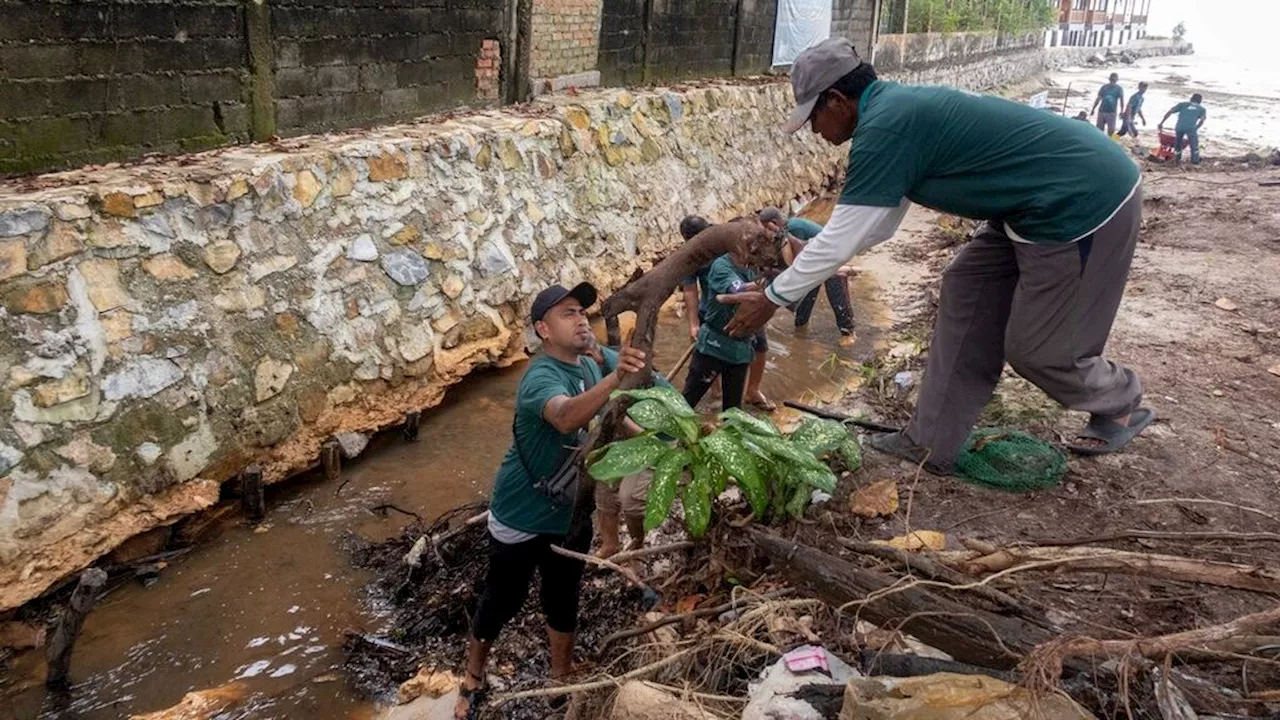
x: 801, y: 23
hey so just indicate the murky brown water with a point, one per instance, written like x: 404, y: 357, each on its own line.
x: 271, y: 607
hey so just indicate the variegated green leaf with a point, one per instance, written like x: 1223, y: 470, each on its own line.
x: 819, y: 436
x: 748, y: 423
x: 726, y: 447
x: 650, y: 415
x: 628, y: 457
x: 687, y: 429
x: 799, y: 501
x: 786, y: 451
x: 696, y: 500
x: 669, y: 397
x: 823, y: 478
x: 662, y: 491
x: 718, y: 477
x: 851, y: 451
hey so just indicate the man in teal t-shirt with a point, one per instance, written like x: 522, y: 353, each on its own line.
x: 1133, y: 111
x: 1190, y: 119
x: 1109, y: 104
x: 1038, y: 284
x: 560, y: 393
x: 836, y: 286
x: 716, y: 353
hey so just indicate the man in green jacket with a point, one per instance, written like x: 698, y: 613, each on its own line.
x: 560, y: 393
x: 1039, y: 283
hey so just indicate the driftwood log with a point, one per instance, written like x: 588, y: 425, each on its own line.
x: 968, y: 634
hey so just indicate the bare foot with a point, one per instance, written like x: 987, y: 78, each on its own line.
x: 469, y: 692
x: 759, y: 400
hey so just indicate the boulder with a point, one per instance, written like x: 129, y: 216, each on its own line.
x: 201, y: 704
x: 948, y: 696
x: 639, y: 700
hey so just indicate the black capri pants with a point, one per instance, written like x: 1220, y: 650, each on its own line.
x: 506, y: 584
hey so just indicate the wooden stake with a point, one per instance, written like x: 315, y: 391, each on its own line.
x: 410, y: 429
x: 69, y: 624
x: 331, y: 458
x: 251, y: 495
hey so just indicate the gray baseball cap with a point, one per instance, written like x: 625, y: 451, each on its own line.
x: 816, y: 70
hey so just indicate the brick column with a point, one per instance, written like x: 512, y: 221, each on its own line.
x: 565, y: 44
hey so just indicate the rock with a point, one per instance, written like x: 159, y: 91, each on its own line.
x: 406, y: 267
x: 495, y: 258
x: 13, y: 258
x: 510, y: 154
x: 774, y: 695
x: 167, y: 267
x: 30, y: 435
x: 21, y: 222
x: 363, y: 249
x: 62, y: 241
x: 453, y: 286
x: 191, y: 455
x: 407, y: 235
x: 433, y: 251
x: 67, y: 212
x: 352, y: 444
x: 55, y: 392
x: 221, y: 256
x: 119, y: 204
x: 424, y: 708
x: 270, y: 377
x: 19, y: 635
x: 947, y: 696
x: 1274, y: 369
x: 270, y: 266
x: 85, y: 453
x: 117, y: 325
x: 306, y: 189
x: 416, y: 342
x: 638, y: 700
x: 149, y: 453
x: 387, y: 166
x: 241, y: 297
x: 38, y: 299
x: 9, y: 458
x: 878, y: 499
x: 1226, y: 304
x: 342, y: 182
x: 202, y: 704
x: 102, y: 280
x: 141, y: 378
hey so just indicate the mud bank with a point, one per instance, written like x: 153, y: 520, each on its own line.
x: 169, y: 323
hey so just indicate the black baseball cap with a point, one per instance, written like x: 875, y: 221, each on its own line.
x: 584, y: 293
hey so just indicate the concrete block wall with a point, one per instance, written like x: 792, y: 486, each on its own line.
x: 622, y: 36
x: 565, y: 37
x: 344, y: 63
x: 855, y: 20
x: 86, y: 81
x: 755, y: 36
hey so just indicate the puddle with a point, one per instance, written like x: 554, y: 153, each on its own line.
x: 271, y: 608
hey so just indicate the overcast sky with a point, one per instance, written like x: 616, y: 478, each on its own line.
x: 1230, y: 28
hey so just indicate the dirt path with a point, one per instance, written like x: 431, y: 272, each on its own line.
x: 1200, y: 323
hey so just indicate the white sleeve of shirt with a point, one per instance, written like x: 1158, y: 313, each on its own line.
x: 851, y: 230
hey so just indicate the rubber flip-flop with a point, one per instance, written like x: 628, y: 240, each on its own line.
x: 764, y: 404
x: 1113, y: 435
x: 897, y: 445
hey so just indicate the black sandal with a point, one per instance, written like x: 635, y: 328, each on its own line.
x: 475, y: 697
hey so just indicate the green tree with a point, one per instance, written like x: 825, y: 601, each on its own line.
x: 1179, y: 30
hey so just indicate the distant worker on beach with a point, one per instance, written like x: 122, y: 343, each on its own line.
x: 1109, y: 104
x: 1040, y: 281
x: 1132, y: 111
x: 1191, y: 117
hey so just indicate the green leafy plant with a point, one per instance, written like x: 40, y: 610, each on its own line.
x: 775, y: 472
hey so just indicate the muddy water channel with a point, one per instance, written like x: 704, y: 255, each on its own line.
x: 270, y: 607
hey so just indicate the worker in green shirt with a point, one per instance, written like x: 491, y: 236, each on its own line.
x: 716, y: 353
x: 837, y: 286
x: 561, y: 391
x: 1109, y: 104
x: 1039, y: 283
x: 1133, y: 111
x: 1191, y: 117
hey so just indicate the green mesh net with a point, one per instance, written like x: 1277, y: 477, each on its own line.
x: 1010, y: 460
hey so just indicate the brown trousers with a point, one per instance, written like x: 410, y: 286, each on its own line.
x: 1046, y: 309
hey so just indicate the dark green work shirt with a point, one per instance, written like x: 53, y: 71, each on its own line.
x: 1050, y: 179
x: 1135, y: 104
x: 712, y: 339
x: 803, y: 228
x: 1189, y: 115
x: 1111, y: 95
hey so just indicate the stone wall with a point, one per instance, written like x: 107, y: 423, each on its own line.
x: 84, y: 82
x: 566, y: 44
x: 93, y: 81
x: 163, y: 326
